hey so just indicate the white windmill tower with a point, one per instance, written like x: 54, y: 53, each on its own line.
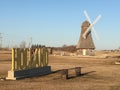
x: 85, y: 43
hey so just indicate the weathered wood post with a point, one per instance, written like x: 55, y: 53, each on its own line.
x: 39, y: 57
x: 13, y: 59
x: 47, y: 59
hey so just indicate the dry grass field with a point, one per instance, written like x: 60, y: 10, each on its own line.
x: 98, y: 73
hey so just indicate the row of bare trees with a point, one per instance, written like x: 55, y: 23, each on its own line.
x: 70, y: 48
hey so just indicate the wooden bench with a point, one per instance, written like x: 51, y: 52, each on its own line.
x: 65, y: 72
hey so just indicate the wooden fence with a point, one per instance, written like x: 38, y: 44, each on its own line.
x: 29, y: 58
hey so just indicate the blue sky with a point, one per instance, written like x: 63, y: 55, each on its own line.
x: 58, y: 22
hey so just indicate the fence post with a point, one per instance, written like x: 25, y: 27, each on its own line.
x: 25, y: 58
x: 18, y: 61
x: 39, y: 57
x: 30, y: 57
x: 46, y: 57
x: 13, y: 59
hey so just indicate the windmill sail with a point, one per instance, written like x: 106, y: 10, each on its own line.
x: 86, y: 14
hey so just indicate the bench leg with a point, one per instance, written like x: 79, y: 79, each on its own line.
x: 78, y: 71
x: 64, y: 73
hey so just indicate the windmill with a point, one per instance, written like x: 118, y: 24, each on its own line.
x: 85, y: 43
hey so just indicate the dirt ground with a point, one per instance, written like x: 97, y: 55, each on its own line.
x: 98, y: 73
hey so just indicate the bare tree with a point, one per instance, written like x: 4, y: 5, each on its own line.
x: 15, y: 46
x: 23, y: 44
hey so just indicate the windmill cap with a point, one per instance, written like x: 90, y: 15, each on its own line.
x: 85, y: 24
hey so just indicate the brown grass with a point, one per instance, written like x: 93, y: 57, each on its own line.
x: 97, y: 74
